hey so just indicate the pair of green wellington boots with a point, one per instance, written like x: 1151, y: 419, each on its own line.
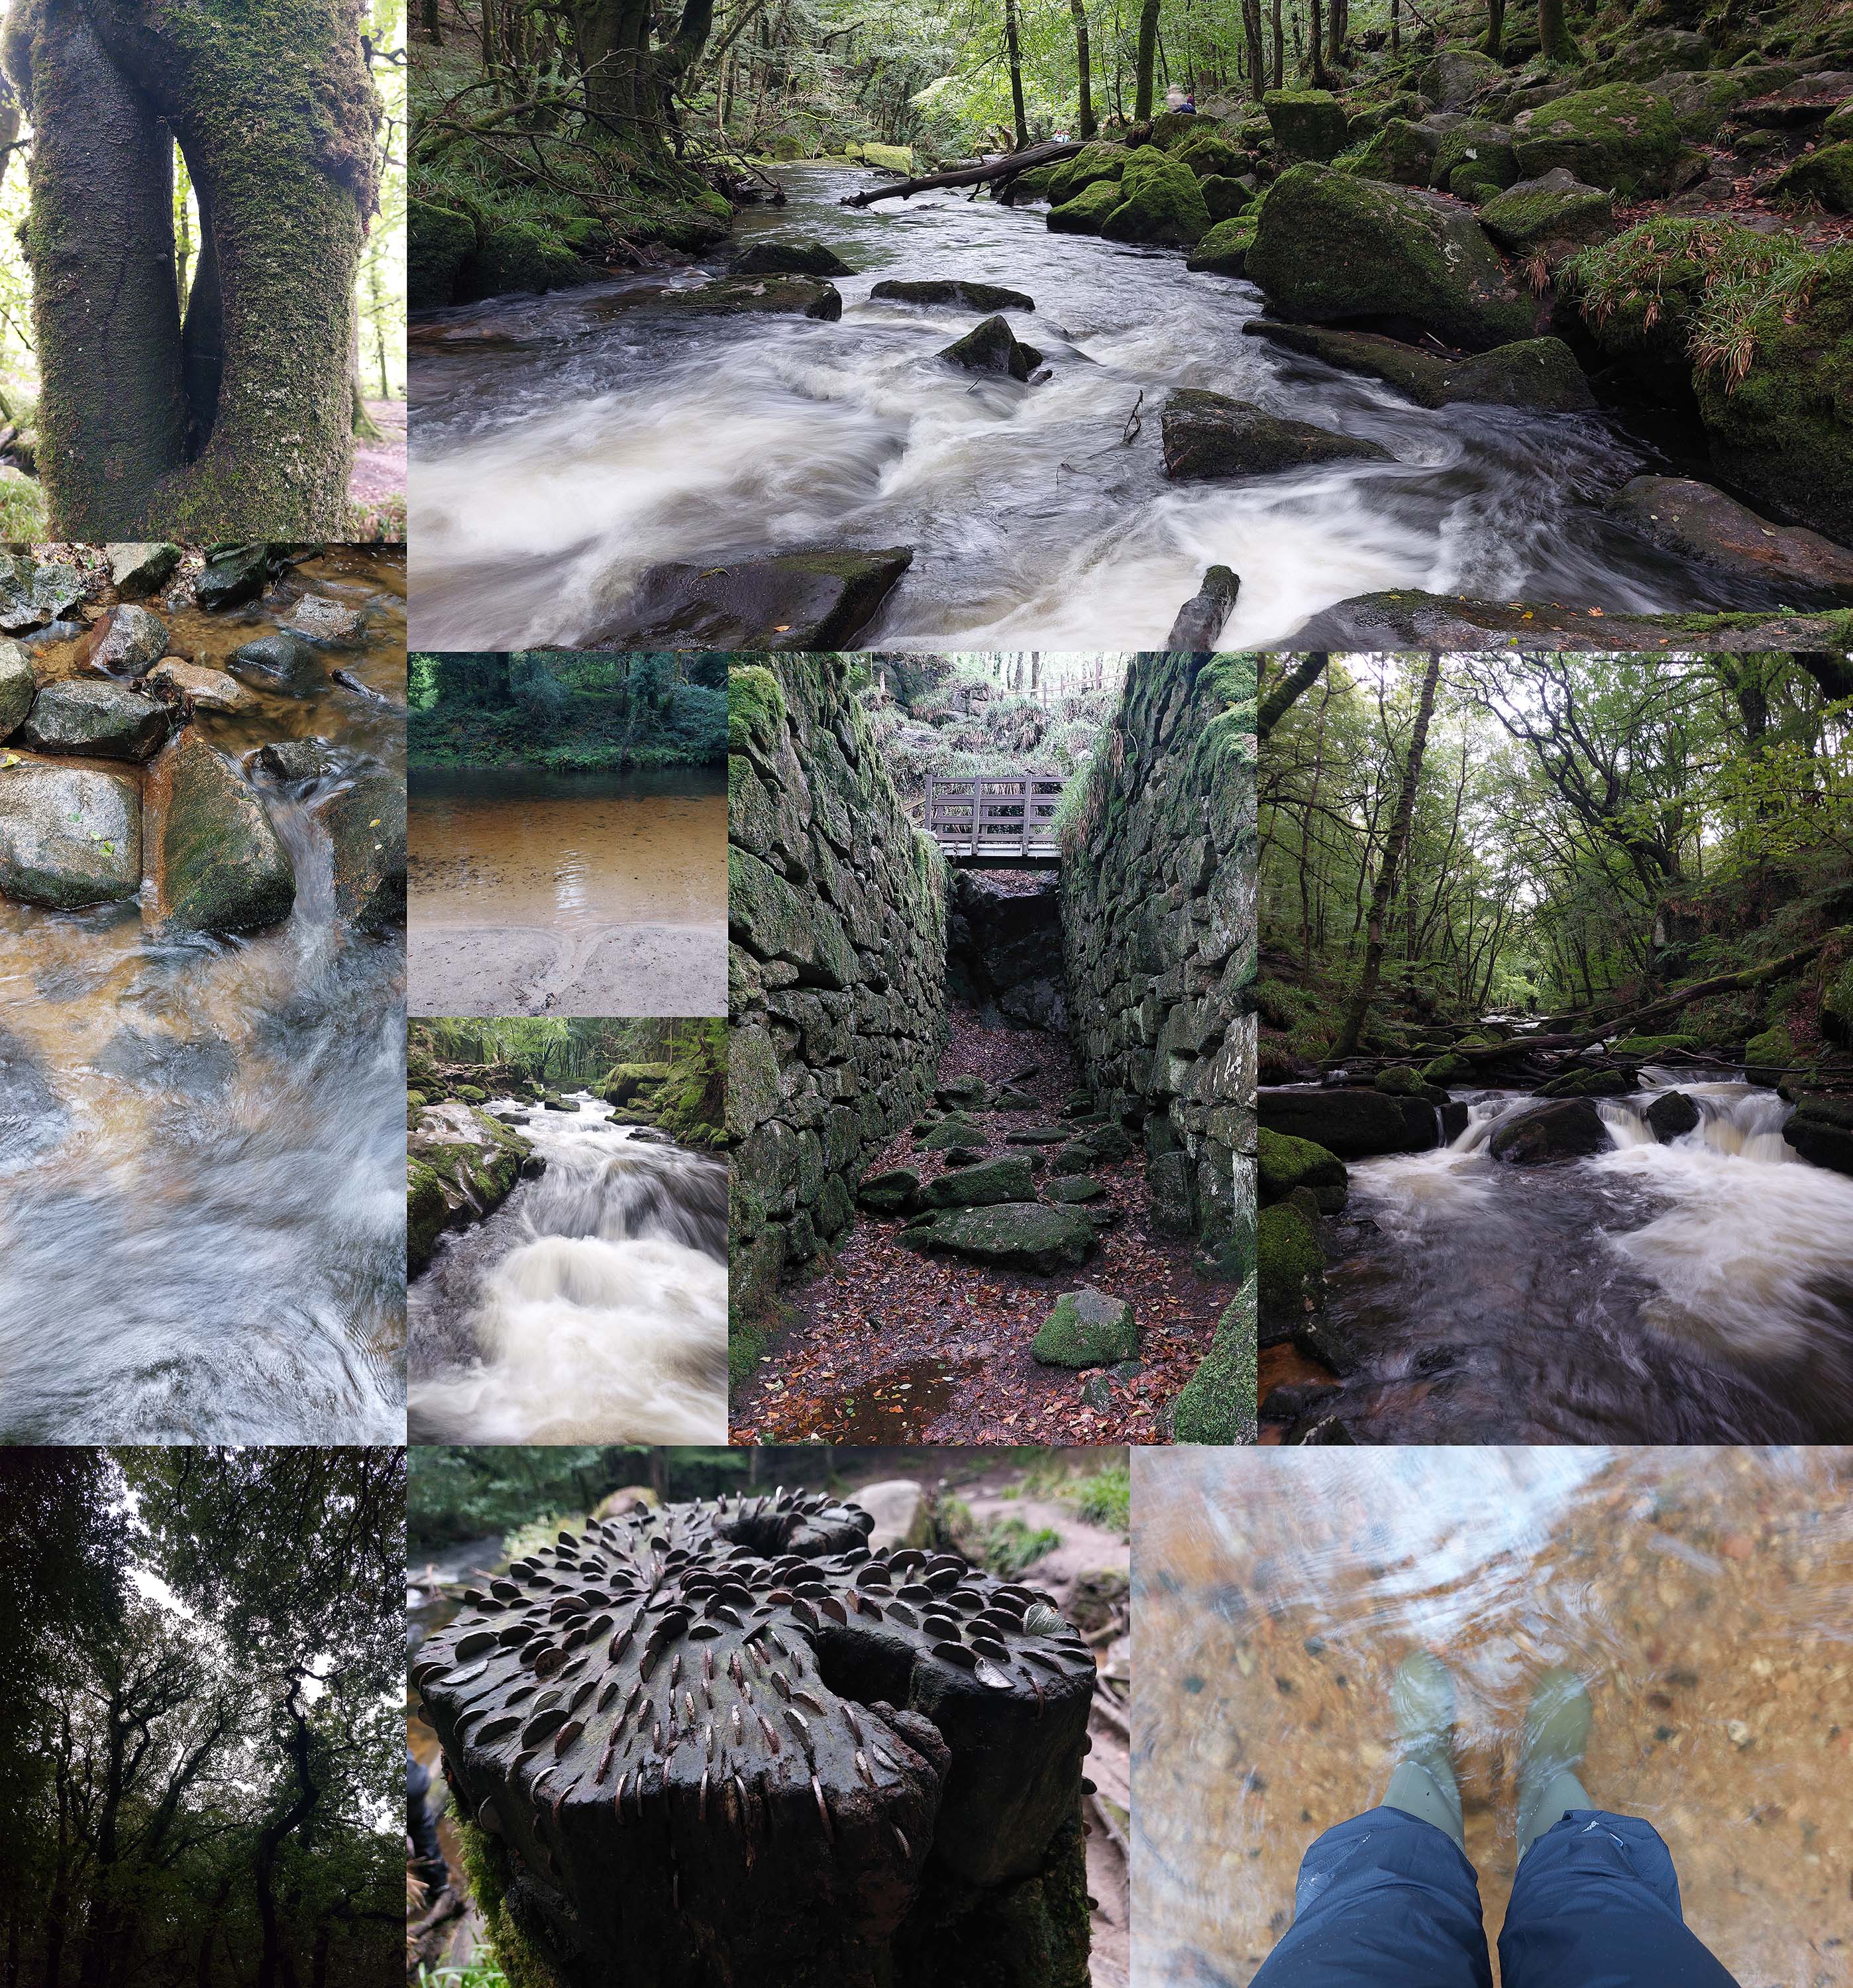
x: 1557, y: 1730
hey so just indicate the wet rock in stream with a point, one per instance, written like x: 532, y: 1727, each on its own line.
x: 191, y: 684
x: 324, y: 620
x: 1571, y: 1129
x: 1408, y: 619
x: 32, y: 594
x: 1539, y: 373
x: 992, y: 347
x: 69, y: 837
x: 1698, y: 522
x: 232, y: 576
x: 791, y: 258
x: 461, y: 1165
x: 17, y: 687
x: 281, y: 661
x: 953, y: 290
x: 1672, y: 1114
x: 365, y: 823
x: 1352, y: 1123
x: 104, y: 720
x: 801, y: 601
x: 299, y: 759
x: 1210, y: 435
x: 214, y: 860
x: 127, y: 642
x: 136, y: 571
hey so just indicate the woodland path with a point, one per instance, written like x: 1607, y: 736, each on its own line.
x: 892, y: 1345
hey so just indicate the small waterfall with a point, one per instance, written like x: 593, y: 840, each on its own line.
x: 590, y: 1307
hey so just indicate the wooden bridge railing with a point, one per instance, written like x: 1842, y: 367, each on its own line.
x: 1003, y: 815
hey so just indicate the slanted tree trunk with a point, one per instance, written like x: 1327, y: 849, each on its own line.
x: 241, y: 426
x: 1148, y: 54
x: 1015, y: 54
x: 1385, y: 887
x: 1083, y: 67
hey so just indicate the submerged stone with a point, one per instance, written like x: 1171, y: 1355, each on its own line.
x: 214, y: 860
x: 281, y: 661
x: 69, y: 837
x: 104, y: 720
x: 231, y: 576
x: 127, y: 642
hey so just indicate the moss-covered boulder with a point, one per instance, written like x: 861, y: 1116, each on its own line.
x: 1226, y: 199
x: 1005, y: 1178
x: 893, y: 1191
x: 888, y: 158
x: 439, y: 243
x: 1224, y: 252
x: 1456, y: 77
x: 215, y: 862
x: 1701, y: 100
x: 1768, y: 1057
x: 1330, y: 247
x: 624, y: 1081
x: 1402, y: 152
x: 1447, y: 1068
x: 1589, y: 1084
x: 790, y: 259
x: 1398, y: 1080
x: 1825, y: 175
x: 1307, y: 123
x: 461, y: 1164
x: 954, y: 1132
x: 1087, y: 210
x: 1216, y: 1404
x: 1285, y: 1164
x: 1209, y: 154
x: 1652, y: 1046
x: 1087, y: 1328
x: 1820, y: 1129
x: 1291, y: 1270
x: 992, y: 347
x: 1549, y: 216
x: 1095, y: 162
x: 1620, y: 136
x: 1011, y: 1235
x: 1159, y: 203
x: 1569, y: 1128
x: 513, y: 255
x: 1659, y: 51
x: 1209, y: 436
x: 1474, y: 160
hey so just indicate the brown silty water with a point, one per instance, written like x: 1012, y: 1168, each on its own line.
x: 201, y: 1139
x: 540, y: 892
x: 1705, y: 1597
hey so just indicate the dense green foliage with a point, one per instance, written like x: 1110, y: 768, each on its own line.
x: 200, y: 1675
x: 1587, y: 834
x: 573, y: 711
x: 668, y: 1073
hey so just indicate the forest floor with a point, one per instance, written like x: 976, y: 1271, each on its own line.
x: 892, y: 1345
x: 378, y: 483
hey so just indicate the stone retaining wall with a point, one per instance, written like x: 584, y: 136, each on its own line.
x: 1158, y: 918
x: 836, y: 909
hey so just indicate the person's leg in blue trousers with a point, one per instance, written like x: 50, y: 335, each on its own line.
x: 1388, y: 1899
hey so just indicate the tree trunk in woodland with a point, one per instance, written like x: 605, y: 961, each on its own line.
x: 1079, y: 9
x: 239, y: 425
x: 1015, y: 73
x: 1253, y: 32
x: 1385, y: 887
x: 1316, y: 45
x: 1554, y: 37
x: 1147, y: 52
x: 1495, y: 43
x: 1280, y: 49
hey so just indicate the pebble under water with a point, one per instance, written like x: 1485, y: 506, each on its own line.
x: 566, y: 443
x: 591, y: 1306
x: 202, y: 1208
x: 1696, y: 1292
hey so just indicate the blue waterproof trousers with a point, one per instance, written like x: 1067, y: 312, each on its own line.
x: 1388, y: 1901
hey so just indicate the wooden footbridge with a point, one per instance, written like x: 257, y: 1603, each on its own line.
x: 995, y: 821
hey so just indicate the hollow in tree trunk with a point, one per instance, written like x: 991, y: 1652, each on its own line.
x: 1148, y: 53
x: 238, y: 423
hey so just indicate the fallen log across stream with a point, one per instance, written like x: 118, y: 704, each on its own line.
x: 1007, y: 168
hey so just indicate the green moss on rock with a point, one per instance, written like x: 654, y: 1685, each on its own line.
x: 1620, y: 136
x: 1159, y: 203
x: 1307, y: 123
x: 439, y: 243
x: 1766, y: 1057
x: 1087, y: 211
x: 1291, y: 1270
x: 1087, y: 1328
x: 1286, y: 1164
x: 1217, y: 1404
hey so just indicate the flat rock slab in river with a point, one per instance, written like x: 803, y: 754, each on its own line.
x: 953, y: 290
x: 1209, y: 436
x: 1416, y: 620
x: 214, y: 859
x: 324, y: 620
x: 1703, y: 523
x: 1539, y: 373
x: 794, y: 600
x: 101, y: 721
x: 70, y: 837
x: 735, y: 296
x: 193, y: 685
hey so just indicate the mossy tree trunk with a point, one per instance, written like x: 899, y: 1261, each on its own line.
x: 1148, y: 54
x: 1553, y: 36
x: 238, y: 423
x: 1084, y: 67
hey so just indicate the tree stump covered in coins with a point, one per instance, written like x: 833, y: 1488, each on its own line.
x: 726, y: 1743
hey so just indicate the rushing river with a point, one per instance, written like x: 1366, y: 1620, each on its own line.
x: 590, y: 1307
x: 1700, y: 1291
x: 534, y: 892
x: 202, y: 1208
x: 564, y: 444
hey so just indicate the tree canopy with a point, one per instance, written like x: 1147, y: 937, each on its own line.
x: 199, y: 1748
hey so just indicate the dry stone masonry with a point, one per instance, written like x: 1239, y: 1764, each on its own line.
x: 728, y: 1743
x: 1158, y: 916
x: 836, y: 908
